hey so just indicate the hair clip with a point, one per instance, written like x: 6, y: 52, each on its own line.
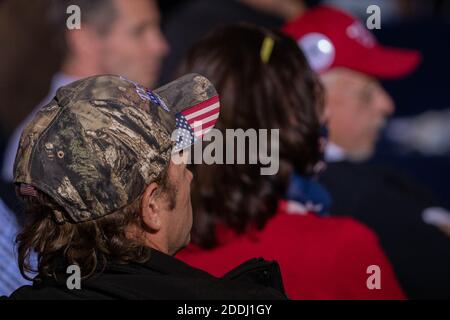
x: 266, y: 49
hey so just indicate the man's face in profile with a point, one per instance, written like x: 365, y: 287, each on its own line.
x: 180, y: 217
x: 357, y: 108
x: 134, y: 46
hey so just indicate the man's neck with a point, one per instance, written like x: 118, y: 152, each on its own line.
x: 149, y: 239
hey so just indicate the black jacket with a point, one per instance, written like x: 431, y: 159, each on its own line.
x: 164, y: 277
x: 391, y: 204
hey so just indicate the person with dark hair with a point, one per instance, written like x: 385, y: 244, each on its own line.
x: 104, y: 196
x: 239, y: 213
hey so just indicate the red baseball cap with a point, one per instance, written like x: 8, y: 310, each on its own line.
x: 332, y: 38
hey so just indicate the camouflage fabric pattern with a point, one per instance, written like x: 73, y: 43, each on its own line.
x: 101, y: 140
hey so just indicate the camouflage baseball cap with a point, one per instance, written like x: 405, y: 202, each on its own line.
x: 96, y: 146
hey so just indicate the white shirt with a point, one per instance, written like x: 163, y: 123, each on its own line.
x: 58, y: 80
x: 334, y: 153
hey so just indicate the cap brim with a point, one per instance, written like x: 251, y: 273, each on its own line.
x: 386, y: 62
x: 195, y: 105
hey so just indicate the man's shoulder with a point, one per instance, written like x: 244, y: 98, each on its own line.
x: 164, y: 278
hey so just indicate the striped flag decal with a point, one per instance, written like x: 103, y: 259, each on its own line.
x: 203, y: 116
x: 192, y: 123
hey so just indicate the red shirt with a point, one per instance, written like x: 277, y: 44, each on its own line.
x: 319, y: 257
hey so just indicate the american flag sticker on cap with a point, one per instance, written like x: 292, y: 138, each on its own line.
x: 27, y: 190
x: 194, y: 122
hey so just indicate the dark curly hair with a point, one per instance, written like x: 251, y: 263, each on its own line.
x: 283, y: 93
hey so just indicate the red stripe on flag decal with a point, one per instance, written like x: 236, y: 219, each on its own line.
x: 204, y: 115
x: 204, y: 128
x: 201, y: 105
x: 27, y: 190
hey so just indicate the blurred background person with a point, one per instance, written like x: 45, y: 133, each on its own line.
x: 350, y: 62
x: 239, y: 212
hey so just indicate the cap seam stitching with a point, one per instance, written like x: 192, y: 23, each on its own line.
x: 41, y: 185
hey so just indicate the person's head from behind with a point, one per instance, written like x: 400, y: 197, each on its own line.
x: 278, y: 91
x: 350, y: 62
x: 95, y: 168
x: 116, y: 37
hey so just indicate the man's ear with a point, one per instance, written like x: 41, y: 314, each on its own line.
x: 150, y: 210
